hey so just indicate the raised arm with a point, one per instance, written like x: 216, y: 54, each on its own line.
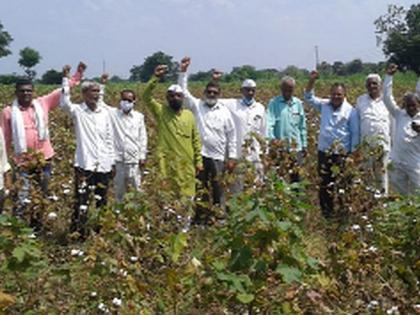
x: 309, y: 94
x: 154, y: 106
x: 389, y: 100
x: 102, y: 81
x: 191, y: 102
x: 51, y: 100
x: 65, y: 101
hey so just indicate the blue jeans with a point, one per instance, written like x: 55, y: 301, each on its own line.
x: 40, y: 176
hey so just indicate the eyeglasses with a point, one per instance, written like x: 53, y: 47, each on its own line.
x: 212, y: 92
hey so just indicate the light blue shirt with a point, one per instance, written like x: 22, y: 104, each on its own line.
x: 286, y: 121
x: 339, y: 127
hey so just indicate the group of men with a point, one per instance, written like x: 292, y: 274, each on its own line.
x: 204, y: 137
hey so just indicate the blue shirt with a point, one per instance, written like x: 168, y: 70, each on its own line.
x: 339, y: 127
x: 286, y: 121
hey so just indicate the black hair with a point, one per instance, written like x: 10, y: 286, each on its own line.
x: 23, y: 81
x: 339, y: 85
x: 213, y: 84
x: 128, y: 91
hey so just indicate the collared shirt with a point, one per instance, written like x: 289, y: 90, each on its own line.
x: 406, y: 146
x: 130, y: 135
x: 249, y: 120
x: 339, y: 127
x: 178, y: 145
x: 4, y: 164
x: 286, y: 121
x: 48, y: 102
x: 215, y: 123
x: 375, y: 122
x: 94, y: 134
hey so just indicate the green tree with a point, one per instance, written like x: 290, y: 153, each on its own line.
x: 353, y: 67
x: 28, y: 59
x: 52, y: 77
x: 401, y: 30
x: 144, y: 72
x: 5, y: 40
x: 242, y: 73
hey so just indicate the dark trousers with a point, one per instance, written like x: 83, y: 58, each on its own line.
x: 210, y: 179
x: 329, y: 183
x: 86, y: 184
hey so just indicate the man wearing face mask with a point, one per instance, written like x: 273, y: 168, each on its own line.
x: 338, y: 136
x: 178, y: 145
x: 375, y: 130
x: 95, y: 154
x: 250, y: 127
x: 217, y: 133
x: 286, y: 125
x: 130, y: 141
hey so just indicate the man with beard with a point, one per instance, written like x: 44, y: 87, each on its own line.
x: 375, y: 130
x: 178, y: 145
x: 218, y: 136
x: 94, y: 156
x: 338, y: 136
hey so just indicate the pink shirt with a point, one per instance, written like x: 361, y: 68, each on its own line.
x: 33, y: 142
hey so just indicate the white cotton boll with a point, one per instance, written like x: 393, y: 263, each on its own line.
x: 53, y: 198
x: 97, y: 197
x: 134, y: 259
x: 369, y: 228
x: 92, y: 187
x: 341, y: 191
x: 75, y: 252
x: 196, y: 263
x: 52, y: 216
x: 32, y: 236
x: 117, y: 302
x: 27, y: 200
x: 123, y: 272
x: 372, y: 249
x: 373, y: 305
x: 103, y: 308
x: 392, y: 310
x: 83, y: 207
x: 66, y: 191
x: 355, y: 227
x: 377, y: 195
x: 364, y: 217
x: 93, y: 294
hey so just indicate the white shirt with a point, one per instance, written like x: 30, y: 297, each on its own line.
x: 130, y: 137
x: 215, y: 125
x: 248, y: 120
x: 4, y: 164
x: 94, y: 134
x: 375, y: 121
x: 406, y: 147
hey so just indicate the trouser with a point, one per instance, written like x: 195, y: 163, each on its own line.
x: 379, y: 168
x: 2, y: 197
x: 42, y: 178
x: 405, y: 179
x: 126, y: 174
x: 329, y: 183
x: 210, y: 179
x: 86, y: 184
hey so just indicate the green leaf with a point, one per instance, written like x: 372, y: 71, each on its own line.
x: 19, y: 253
x: 288, y: 273
x: 245, y: 298
x: 179, y: 242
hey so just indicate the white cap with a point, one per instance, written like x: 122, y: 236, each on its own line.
x: 176, y: 88
x: 249, y: 83
x: 374, y: 76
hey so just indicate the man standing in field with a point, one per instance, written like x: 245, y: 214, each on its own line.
x: 375, y: 130
x: 217, y: 132
x: 286, y: 125
x: 25, y: 127
x: 94, y: 156
x: 130, y: 141
x: 405, y: 153
x: 250, y: 125
x: 178, y: 145
x: 338, y: 136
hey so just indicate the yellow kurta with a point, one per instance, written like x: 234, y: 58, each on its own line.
x: 179, y: 145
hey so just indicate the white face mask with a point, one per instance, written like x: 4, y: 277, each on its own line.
x: 126, y: 106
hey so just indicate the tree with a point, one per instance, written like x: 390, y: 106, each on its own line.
x: 28, y: 59
x: 401, y: 29
x: 5, y: 40
x: 353, y: 67
x: 144, y: 72
x: 241, y: 73
x: 338, y: 68
x: 52, y: 77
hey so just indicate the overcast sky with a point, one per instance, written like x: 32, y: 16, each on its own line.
x: 215, y: 33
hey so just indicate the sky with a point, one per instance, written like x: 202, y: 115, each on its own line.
x: 215, y: 33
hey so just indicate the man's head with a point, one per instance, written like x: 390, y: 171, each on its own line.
x: 24, y: 91
x: 248, y: 90
x: 287, y: 87
x: 90, y: 92
x: 127, y: 100
x: 374, y: 85
x: 411, y: 103
x: 211, y: 93
x: 337, y: 94
x: 175, y: 97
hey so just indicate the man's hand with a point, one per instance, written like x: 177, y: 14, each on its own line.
x: 230, y: 165
x: 313, y: 76
x: 391, y: 69
x: 216, y: 75
x: 185, y: 63
x: 160, y: 71
x: 81, y: 67
x: 104, y: 78
x: 66, y: 71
